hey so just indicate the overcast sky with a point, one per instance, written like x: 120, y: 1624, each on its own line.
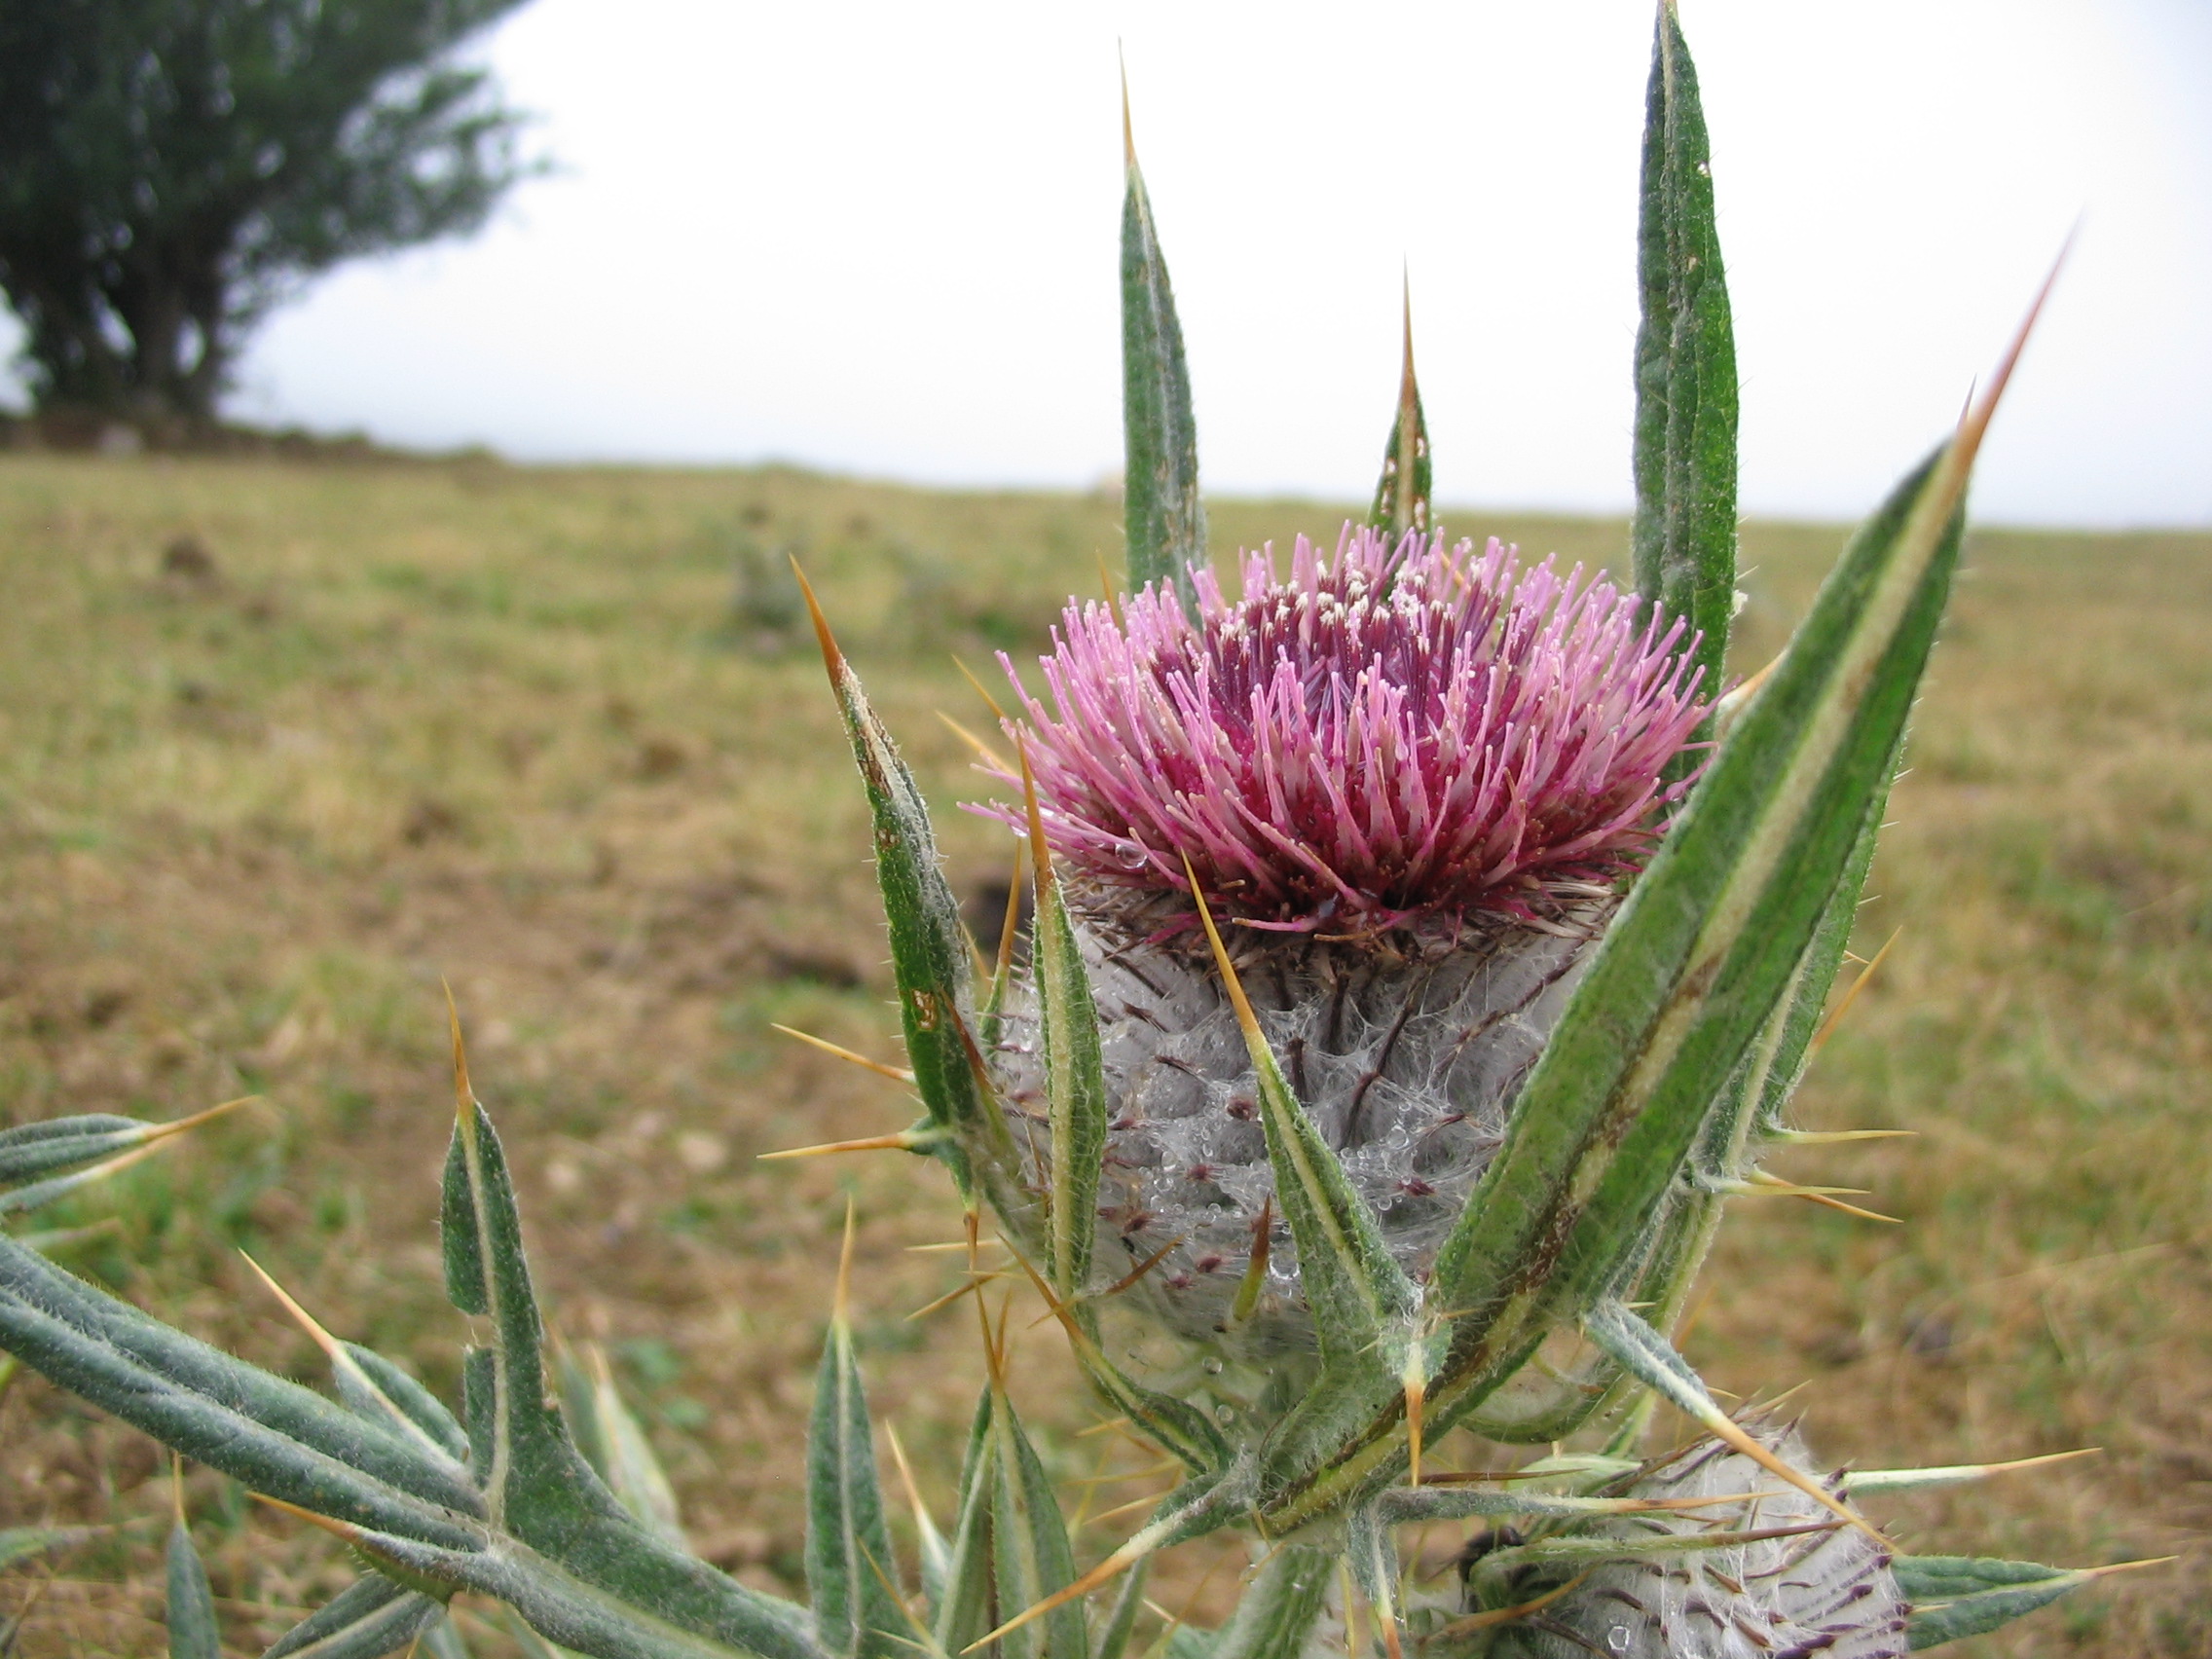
x: 882, y: 239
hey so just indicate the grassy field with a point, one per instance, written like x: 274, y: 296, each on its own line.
x: 555, y: 737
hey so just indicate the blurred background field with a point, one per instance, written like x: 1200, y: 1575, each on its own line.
x: 283, y: 744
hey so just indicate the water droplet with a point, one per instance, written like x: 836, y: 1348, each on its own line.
x: 1618, y: 1639
x: 1130, y: 855
x: 1212, y: 1368
x: 1225, y: 1414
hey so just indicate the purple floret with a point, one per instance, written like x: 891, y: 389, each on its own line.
x: 1393, y: 733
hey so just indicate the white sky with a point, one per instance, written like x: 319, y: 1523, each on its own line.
x: 881, y: 239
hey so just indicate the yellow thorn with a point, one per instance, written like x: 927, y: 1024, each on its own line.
x: 1131, y: 1505
x: 1837, y: 1138
x: 1112, y: 1568
x: 1129, y: 135
x: 1245, y: 1018
x: 1496, y: 1616
x: 980, y: 692
x: 832, y: 658
x: 1106, y: 1428
x: 1138, y: 1272
x: 1010, y: 928
x: 1346, y: 1598
x: 1105, y: 580
x: 1726, y: 1428
x: 2125, y: 1567
x: 1826, y: 1202
x: 1976, y: 419
x: 178, y: 1125
x: 956, y: 1244
x: 1828, y: 1026
x: 983, y: 751
x: 463, y: 1096
x: 1170, y: 1466
x: 1039, y: 855
x: 1417, y: 1390
x: 345, y: 1530
x: 904, y: 1141
x: 896, y: 1074
x: 975, y: 1284
x: 1003, y: 1346
x: 322, y: 1339
x: 1408, y: 388
x: 1387, y: 1617
x: 841, y: 1308
x: 1762, y: 1182
x: 906, y: 1473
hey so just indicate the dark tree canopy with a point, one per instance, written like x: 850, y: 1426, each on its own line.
x: 171, y: 168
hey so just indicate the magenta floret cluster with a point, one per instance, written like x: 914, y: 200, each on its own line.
x: 1393, y: 733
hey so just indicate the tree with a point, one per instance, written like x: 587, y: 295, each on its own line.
x: 170, y: 169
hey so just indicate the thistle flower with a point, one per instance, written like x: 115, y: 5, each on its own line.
x: 1416, y: 775
x: 1398, y: 733
x: 1753, y: 1570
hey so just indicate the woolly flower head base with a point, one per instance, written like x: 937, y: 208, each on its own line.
x: 1397, y: 733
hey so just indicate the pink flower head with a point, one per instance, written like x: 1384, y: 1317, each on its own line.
x: 1390, y: 734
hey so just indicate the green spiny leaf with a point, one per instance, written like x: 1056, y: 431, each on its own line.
x: 1705, y: 950
x: 929, y: 958
x: 30, y: 1149
x: 1860, y: 1482
x: 850, y: 1570
x: 1690, y: 971
x: 1684, y: 536
x: 1165, y: 522
x: 191, y: 1608
x: 56, y: 1143
x: 1402, y: 493
x: 369, y: 1618
x: 537, y: 1485
x: 967, y: 1608
x: 274, y: 1435
x: 1075, y: 1070
x: 1959, y: 1596
x: 1031, y: 1559
x: 564, y: 1606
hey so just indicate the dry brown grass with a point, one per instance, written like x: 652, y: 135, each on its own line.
x: 502, y: 726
